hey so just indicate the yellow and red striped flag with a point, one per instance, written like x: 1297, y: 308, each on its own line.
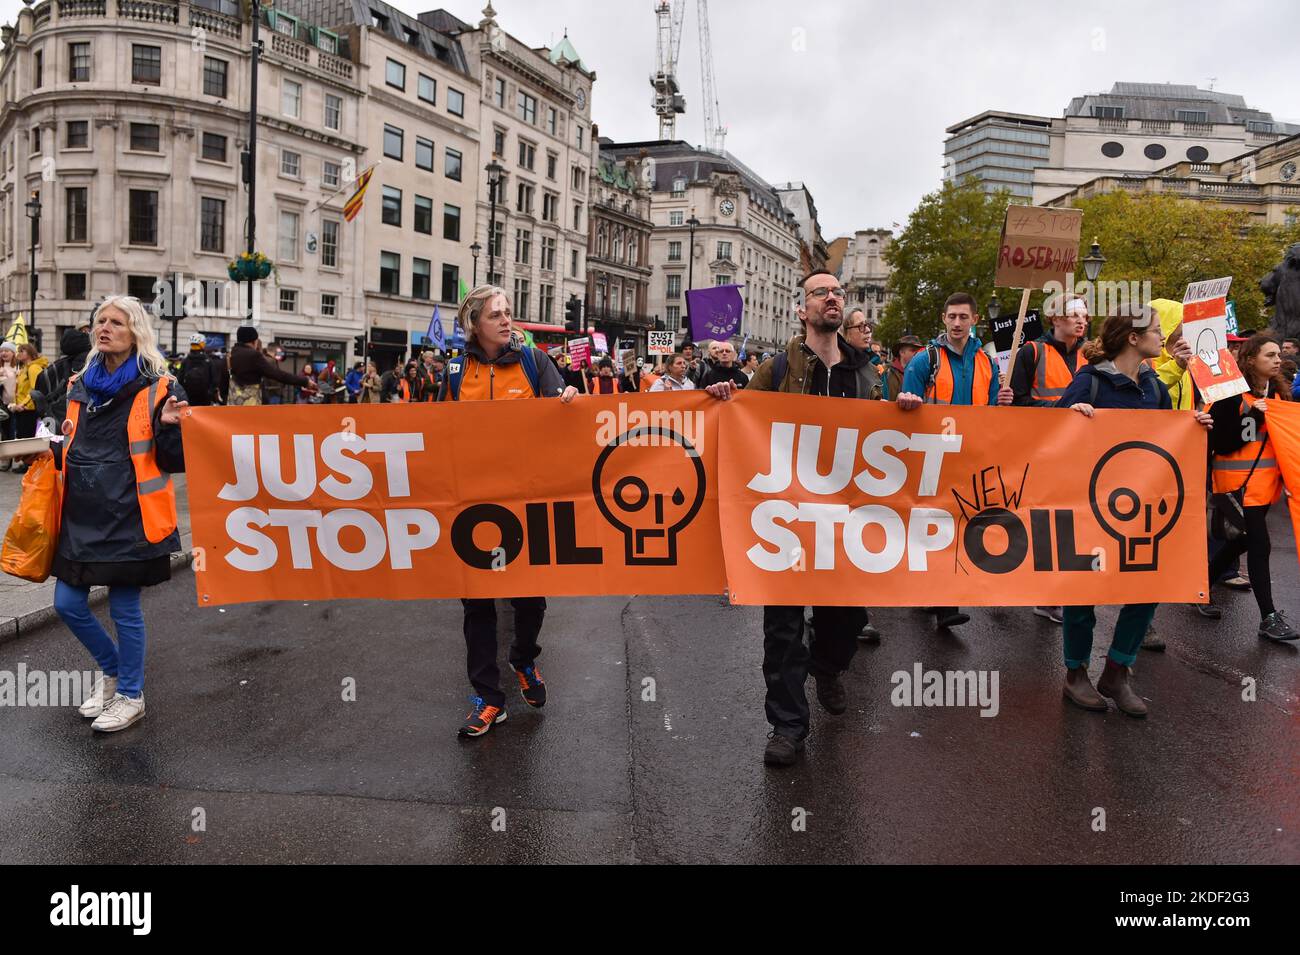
x: 353, y: 205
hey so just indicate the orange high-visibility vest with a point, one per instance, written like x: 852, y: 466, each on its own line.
x: 153, y: 488
x: 1229, y: 471
x: 1052, y: 376
x: 941, y: 393
x: 405, y: 387
x: 483, y: 382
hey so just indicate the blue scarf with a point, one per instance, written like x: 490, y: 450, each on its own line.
x: 102, y: 385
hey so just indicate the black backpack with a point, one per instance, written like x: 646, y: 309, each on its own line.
x: 52, y: 388
x: 196, y: 378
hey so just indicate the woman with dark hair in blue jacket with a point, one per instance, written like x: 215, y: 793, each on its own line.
x: 1115, y: 377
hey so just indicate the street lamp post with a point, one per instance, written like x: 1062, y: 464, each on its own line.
x: 1093, y: 261
x: 692, y: 224
x: 474, y: 250
x: 993, y: 309
x: 34, y: 213
x: 494, y: 171
x: 250, y: 157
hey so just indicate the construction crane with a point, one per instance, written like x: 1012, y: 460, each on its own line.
x: 715, y: 134
x: 668, y: 100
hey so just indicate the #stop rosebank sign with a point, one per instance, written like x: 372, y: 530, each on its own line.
x: 824, y: 501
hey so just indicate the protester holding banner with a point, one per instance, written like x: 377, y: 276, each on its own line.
x: 1045, y: 368
x: 953, y: 370
x: 817, y: 362
x: 1117, y: 375
x: 118, y: 526
x: 498, y: 366
x: 676, y: 376
x: 1251, y: 467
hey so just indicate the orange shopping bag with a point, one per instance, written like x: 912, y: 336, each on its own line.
x: 33, y: 534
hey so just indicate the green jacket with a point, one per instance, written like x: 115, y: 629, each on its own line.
x: 800, y: 361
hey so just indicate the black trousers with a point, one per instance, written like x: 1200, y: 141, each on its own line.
x: 481, y: 642
x: 1257, y: 547
x: 787, y: 659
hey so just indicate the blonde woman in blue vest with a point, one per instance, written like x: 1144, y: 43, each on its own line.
x: 122, y: 443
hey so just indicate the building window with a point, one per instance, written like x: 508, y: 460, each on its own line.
x: 283, y: 23
x: 214, y: 77
x: 395, y: 74
x: 722, y: 279
x: 331, y: 174
x: 455, y: 102
x: 577, y: 217
x: 1154, y: 151
x: 527, y: 154
x: 421, y: 278
x: 329, y: 243
x: 451, y: 164
x: 550, y: 207
x: 392, y: 214
x: 674, y: 251
x: 1112, y: 150
x: 676, y: 217
x: 526, y: 108
x: 1190, y: 115
x: 1108, y: 112
x: 523, y: 246
x: 679, y: 187
x: 393, y: 142
x: 674, y: 287
x: 212, y: 225
x: 521, y: 299
x: 143, y: 227
x: 327, y: 42
x: 290, y: 164
x: 78, y: 62
x: 548, y: 253
x: 550, y: 120
x: 291, y: 98
x: 378, y: 21
x: 141, y: 287
x: 573, y: 263
x: 552, y: 160
x: 214, y: 147
x: 427, y: 89
x: 78, y: 134
x: 145, y: 137
x: 329, y: 305
x: 499, y: 91
x: 74, y: 286
x: 497, y: 239
x: 498, y: 142
x: 38, y: 69
x: 75, y: 221
x: 673, y: 315
x: 525, y: 198
x: 451, y: 223
x: 724, y: 251
x: 333, y: 111
x: 579, y: 179
x: 424, y: 215
x: 450, y: 283
x: 288, y: 251
x: 546, y: 303
x: 579, y: 135
x: 423, y: 153
x: 390, y: 273
x: 288, y: 300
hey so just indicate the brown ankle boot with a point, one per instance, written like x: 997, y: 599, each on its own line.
x: 1078, y: 690
x: 1114, y: 684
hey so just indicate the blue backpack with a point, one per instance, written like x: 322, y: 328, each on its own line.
x: 527, y: 359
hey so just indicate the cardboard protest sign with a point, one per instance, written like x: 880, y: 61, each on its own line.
x: 599, y: 342
x: 1038, y: 246
x: 1004, y: 329
x: 580, y: 352
x: 1205, y: 326
x: 661, y: 343
x: 825, y: 501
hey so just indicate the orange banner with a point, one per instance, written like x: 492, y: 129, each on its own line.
x: 606, y: 495
x: 840, y: 502
x: 822, y: 500
x: 1282, y: 420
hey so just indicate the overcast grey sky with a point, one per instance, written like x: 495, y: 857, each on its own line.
x: 852, y: 98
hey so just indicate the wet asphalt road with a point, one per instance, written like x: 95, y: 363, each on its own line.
x: 246, y: 722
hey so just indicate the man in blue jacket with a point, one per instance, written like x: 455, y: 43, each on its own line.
x: 953, y: 370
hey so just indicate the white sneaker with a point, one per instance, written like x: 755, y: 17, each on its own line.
x: 103, y: 689
x: 119, y: 713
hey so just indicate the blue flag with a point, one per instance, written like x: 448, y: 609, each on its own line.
x: 435, y: 333
x: 743, y: 342
x: 457, y: 338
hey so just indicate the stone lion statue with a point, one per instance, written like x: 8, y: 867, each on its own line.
x: 1281, y: 289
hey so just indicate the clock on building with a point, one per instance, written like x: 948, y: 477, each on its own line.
x: 727, y: 207
x: 1288, y: 171
x: 582, y: 99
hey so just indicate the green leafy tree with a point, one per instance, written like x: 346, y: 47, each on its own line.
x: 950, y: 244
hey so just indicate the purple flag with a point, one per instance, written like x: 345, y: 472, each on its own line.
x: 715, y: 312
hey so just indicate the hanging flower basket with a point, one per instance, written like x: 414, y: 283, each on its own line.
x: 249, y: 268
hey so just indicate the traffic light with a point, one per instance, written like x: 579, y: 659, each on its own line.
x: 573, y: 315
x: 358, y: 346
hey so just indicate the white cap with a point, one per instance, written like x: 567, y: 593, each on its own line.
x: 8, y: 346
x: 197, y: 339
